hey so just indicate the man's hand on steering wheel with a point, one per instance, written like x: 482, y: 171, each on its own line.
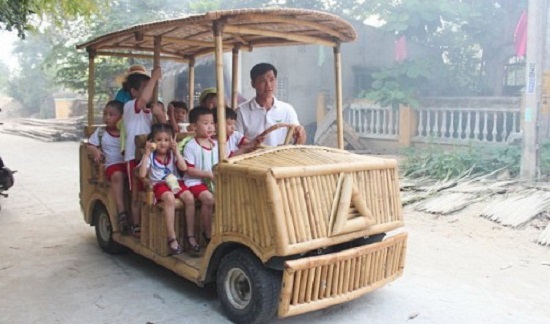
x: 299, y: 134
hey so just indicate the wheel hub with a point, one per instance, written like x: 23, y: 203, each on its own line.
x: 238, y: 290
x: 104, y: 227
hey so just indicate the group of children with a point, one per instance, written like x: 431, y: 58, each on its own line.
x: 164, y: 161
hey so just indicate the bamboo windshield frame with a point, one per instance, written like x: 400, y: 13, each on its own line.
x: 228, y: 34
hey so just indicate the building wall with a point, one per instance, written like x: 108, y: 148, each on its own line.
x: 309, y: 70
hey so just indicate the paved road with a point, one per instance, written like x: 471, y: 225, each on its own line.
x: 52, y: 271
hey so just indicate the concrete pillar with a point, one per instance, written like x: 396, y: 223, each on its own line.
x: 407, y: 126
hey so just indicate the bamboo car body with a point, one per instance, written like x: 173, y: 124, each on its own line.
x: 314, y: 216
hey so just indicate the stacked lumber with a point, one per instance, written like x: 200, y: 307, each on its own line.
x: 48, y: 130
x: 517, y: 209
x: 325, y: 135
x: 544, y: 238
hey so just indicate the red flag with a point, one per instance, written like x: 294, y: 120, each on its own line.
x: 400, y: 50
x: 520, y: 35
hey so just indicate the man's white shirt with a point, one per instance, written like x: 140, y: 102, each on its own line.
x: 252, y: 120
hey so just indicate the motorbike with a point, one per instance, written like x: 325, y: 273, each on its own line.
x: 6, y: 179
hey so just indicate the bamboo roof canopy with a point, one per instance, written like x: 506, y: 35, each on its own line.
x: 191, y: 36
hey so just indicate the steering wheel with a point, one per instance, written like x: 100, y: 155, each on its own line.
x: 289, y: 133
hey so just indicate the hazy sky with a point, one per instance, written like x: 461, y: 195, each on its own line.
x: 7, y: 39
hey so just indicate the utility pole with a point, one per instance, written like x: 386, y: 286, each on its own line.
x: 536, y: 22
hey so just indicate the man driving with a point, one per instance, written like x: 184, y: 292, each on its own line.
x: 264, y: 110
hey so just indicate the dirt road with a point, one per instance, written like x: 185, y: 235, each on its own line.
x: 460, y: 269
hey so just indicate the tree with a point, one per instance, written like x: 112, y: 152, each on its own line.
x: 470, y: 39
x: 20, y: 14
x: 32, y: 87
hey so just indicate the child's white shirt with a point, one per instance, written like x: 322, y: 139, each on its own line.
x: 136, y: 122
x: 110, y: 146
x: 199, y: 157
x: 159, y: 169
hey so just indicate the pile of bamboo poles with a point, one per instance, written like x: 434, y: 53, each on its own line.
x: 48, y: 130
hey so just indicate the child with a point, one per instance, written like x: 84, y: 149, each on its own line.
x: 123, y: 94
x: 137, y: 121
x: 236, y: 142
x: 209, y: 98
x: 104, y: 144
x: 177, y: 112
x: 159, y: 162
x: 201, y: 154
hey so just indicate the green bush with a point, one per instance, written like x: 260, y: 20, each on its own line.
x: 435, y: 162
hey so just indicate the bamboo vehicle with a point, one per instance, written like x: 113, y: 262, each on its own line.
x: 296, y: 228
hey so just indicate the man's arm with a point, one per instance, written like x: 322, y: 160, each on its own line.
x: 299, y: 131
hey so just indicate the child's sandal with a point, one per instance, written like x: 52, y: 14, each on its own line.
x: 207, y: 239
x: 193, y: 247
x: 123, y: 222
x: 174, y: 251
x: 135, y: 230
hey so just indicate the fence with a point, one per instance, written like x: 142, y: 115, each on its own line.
x: 457, y: 121
x: 372, y: 121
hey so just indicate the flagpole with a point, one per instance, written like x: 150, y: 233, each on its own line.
x: 533, y: 76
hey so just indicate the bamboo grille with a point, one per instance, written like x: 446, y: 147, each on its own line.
x: 321, y: 281
x: 307, y: 201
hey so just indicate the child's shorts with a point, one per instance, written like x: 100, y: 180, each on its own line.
x: 198, y: 189
x: 111, y: 169
x: 160, y: 188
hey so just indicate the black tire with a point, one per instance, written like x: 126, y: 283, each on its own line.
x: 248, y: 291
x: 104, y: 231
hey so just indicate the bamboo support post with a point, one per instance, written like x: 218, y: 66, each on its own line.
x: 235, y: 77
x: 222, y: 137
x: 91, y: 85
x: 191, y: 77
x: 338, y: 94
x: 156, y: 64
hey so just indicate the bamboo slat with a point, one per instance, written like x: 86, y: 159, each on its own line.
x: 309, y: 287
x: 335, y: 202
x: 276, y: 34
x: 297, y: 283
x: 343, y: 204
x: 276, y: 202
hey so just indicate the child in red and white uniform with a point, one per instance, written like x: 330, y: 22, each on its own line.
x: 201, y: 154
x: 104, y: 145
x: 159, y: 163
x: 236, y: 143
x: 138, y: 119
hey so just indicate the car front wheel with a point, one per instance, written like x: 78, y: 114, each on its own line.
x: 248, y: 291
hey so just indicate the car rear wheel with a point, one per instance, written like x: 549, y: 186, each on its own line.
x: 248, y: 291
x: 104, y: 231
